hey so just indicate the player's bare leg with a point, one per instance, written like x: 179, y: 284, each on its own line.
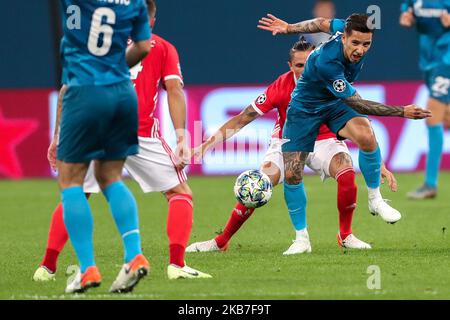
x: 57, y: 239
x: 360, y: 132
x: 295, y: 197
x: 124, y: 211
x: 79, y: 224
x: 238, y: 216
x: 179, y: 226
x: 341, y: 169
x: 435, y: 143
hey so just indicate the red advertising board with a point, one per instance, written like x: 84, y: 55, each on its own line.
x: 26, y: 125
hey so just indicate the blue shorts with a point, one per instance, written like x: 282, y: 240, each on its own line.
x: 302, y: 127
x: 437, y: 80
x: 98, y: 122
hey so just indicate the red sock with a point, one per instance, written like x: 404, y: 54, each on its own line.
x: 346, y: 200
x: 239, y: 215
x: 179, y: 225
x: 57, y: 238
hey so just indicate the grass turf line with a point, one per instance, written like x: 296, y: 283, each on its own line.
x: 413, y: 254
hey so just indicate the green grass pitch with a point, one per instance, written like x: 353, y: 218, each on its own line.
x: 413, y: 255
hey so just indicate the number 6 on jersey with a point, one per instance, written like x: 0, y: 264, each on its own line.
x: 97, y: 29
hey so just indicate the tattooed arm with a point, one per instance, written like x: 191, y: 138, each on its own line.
x: 373, y: 108
x: 276, y: 26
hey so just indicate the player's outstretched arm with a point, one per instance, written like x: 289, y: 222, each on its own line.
x: 137, y: 51
x: 51, y: 152
x: 227, y: 130
x: 373, y: 108
x: 278, y: 26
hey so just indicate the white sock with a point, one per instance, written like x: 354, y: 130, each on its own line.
x: 374, y: 194
x: 301, y: 233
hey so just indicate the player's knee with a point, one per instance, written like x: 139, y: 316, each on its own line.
x: 182, y: 188
x: 104, y: 180
x: 272, y: 171
x: 340, y: 162
x: 366, y: 140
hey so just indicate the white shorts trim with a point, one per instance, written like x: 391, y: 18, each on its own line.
x: 153, y: 168
x: 318, y: 161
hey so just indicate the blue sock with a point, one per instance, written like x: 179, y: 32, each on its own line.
x: 79, y: 225
x: 124, y: 210
x: 370, y: 165
x: 295, y: 197
x: 435, y: 144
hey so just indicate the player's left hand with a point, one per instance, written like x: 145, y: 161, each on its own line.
x: 445, y: 19
x: 273, y: 24
x: 389, y: 176
x: 182, y: 155
x: 414, y: 112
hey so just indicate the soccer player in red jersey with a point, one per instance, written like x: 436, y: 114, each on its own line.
x: 330, y: 158
x: 155, y: 167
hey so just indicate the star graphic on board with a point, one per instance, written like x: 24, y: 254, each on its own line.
x: 12, y: 133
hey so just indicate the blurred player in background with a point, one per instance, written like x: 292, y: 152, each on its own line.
x: 432, y: 22
x: 99, y: 122
x: 155, y: 167
x: 324, y: 94
x: 322, y: 9
x: 330, y: 158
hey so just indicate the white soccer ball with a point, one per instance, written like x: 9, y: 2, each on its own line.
x: 253, y: 188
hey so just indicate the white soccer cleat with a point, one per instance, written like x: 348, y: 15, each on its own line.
x: 386, y: 212
x: 300, y: 245
x: 130, y: 275
x: 176, y: 272
x: 42, y: 274
x: 204, y: 246
x: 352, y: 242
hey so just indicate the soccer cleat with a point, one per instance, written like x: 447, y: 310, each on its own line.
x: 176, y: 272
x: 299, y: 245
x: 42, y: 274
x: 205, y: 246
x: 424, y: 192
x: 83, y: 281
x: 352, y: 242
x: 386, y: 212
x: 130, y: 275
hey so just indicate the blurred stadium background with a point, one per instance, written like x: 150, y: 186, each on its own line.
x: 226, y: 62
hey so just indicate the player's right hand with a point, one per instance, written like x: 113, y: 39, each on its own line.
x: 273, y: 24
x: 389, y: 176
x: 407, y: 18
x: 51, y: 154
x: 197, y: 153
x: 414, y: 112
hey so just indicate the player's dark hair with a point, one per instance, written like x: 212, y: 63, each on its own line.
x: 151, y: 6
x: 324, y: 2
x: 358, y: 22
x: 300, y: 45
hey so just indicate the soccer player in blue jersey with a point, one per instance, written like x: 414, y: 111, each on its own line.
x: 99, y: 122
x: 324, y: 94
x: 432, y: 22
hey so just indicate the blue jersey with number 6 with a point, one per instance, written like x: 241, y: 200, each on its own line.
x: 95, y: 39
